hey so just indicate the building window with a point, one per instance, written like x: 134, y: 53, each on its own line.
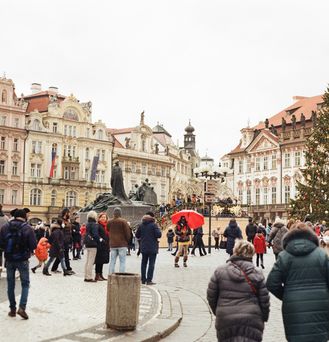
x: 87, y: 174
x: 297, y: 158
x: 36, y: 125
x: 248, y: 197
x: 88, y: 133
x: 55, y: 127
x: 16, y: 122
x: 4, y: 96
x: 265, y: 195
x: 143, y: 169
x: 53, y: 198
x: 35, y: 170
x: 248, y: 165
x: 3, y: 143
x: 70, y: 131
x: 36, y: 147
x: 15, y: 145
x: 100, y: 134
x: 265, y: 165
x: 103, y: 155
x: 14, y: 196
x: 163, y: 171
x: 2, y: 196
x: 143, y: 145
x: 65, y: 130
x: 286, y: 194
x: 257, y: 164
x: 287, y: 160
x: 97, y: 177
x: 15, y: 168
x: 102, y: 177
x: 240, y: 196
x: 66, y: 172
x: 2, y: 167
x: 74, y: 132
x: 240, y: 166
x: 87, y: 153
x: 257, y: 196
x: 98, y: 153
x: 273, y: 195
x: 3, y: 120
x: 74, y: 173
x: 35, y: 197
x: 54, y: 148
x: 133, y: 167
x: 71, y: 199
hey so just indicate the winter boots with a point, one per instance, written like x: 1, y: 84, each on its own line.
x: 45, y: 271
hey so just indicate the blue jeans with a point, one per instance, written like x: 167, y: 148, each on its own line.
x: 23, y: 269
x: 121, y: 253
x: 148, y: 258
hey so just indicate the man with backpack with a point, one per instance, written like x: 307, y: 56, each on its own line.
x: 18, y: 241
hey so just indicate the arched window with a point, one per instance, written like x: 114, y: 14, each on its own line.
x: 87, y: 153
x: 100, y: 134
x: 71, y: 199
x: 53, y: 198
x: 35, y: 197
x: 36, y: 125
x: 4, y: 96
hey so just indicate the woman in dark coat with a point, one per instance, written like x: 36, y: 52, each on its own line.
x: 232, y: 232
x: 237, y: 295
x: 300, y: 279
x: 56, y: 250
x: 103, y: 248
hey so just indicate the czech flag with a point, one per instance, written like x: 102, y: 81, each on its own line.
x: 53, y: 160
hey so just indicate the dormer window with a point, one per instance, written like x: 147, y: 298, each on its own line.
x: 100, y: 134
x: 4, y: 96
x: 36, y: 125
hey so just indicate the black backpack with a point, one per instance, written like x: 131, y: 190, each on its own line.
x: 15, y: 249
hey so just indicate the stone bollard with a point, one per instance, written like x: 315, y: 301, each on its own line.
x: 123, y: 295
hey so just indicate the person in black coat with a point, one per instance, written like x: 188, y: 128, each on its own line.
x: 103, y: 247
x: 76, y: 238
x: 198, y: 242
x: 251, y: 230
x: 56, y: 250
x: 148, y: 232
x: 170, y: 239
x: 232, y: 232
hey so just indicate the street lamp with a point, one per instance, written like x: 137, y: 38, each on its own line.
x: 205, y: 173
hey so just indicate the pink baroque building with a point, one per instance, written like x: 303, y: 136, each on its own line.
x: 12, y: 142
x: 265, y: 165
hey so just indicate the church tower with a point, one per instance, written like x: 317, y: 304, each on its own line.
x: 189, y: 139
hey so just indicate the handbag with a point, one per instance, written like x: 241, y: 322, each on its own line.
x: 222, y: 243
x: 89, y: 241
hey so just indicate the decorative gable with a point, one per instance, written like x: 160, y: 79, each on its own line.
x: 262, y: 143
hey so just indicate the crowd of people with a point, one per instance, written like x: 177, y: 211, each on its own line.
x: 238, y: 293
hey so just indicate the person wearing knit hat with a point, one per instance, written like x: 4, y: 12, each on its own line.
x: 18, y: 240
x: 276, y: 236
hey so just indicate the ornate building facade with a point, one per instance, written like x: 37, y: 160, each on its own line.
x: 265, y: 166
x: 68, y: 157
x: 150, y: 153
x: 12, y: 138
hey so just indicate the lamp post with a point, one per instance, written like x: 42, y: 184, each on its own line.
x: 209, y: 172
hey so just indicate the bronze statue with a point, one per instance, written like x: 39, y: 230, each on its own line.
x: 118, y: 189
x: 313, y: 118
x: 267, y: 123
x: 284, y: 125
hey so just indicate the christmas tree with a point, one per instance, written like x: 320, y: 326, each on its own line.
x: 313, y: 190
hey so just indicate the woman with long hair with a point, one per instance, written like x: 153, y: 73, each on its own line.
x: 103, y: 248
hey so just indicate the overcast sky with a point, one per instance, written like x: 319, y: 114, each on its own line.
x: 218, y: 63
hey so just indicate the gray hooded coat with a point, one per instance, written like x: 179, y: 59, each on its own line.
x: 240, y: 314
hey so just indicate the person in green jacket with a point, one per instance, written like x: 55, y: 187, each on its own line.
x: 300, y: 279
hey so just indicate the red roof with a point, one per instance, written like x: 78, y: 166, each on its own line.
x: 40, y: 101
x: 303, y: 105
x: 117, y: 143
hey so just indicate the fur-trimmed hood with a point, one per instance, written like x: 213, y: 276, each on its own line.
x: 300, y: 241
x: 148, y: 219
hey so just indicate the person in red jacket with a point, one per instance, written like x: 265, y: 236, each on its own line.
x: 260, y: 247
x: 41, y: 252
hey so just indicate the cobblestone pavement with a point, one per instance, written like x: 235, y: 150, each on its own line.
x: 76, y: 310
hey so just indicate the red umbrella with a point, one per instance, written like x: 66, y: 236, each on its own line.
x: 193, y: 218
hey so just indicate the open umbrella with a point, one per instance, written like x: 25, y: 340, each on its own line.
x: 193, y: 218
